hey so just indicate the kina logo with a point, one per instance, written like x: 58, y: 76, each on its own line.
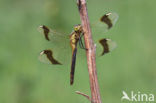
x: 138, y: 96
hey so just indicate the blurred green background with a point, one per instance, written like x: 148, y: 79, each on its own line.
x: 130, y: 67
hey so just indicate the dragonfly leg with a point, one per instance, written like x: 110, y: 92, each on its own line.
x: 81, y: 43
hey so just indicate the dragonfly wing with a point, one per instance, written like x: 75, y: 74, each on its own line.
x: 52, y: 35
x: 59, y: 51
x: 106, y: 22
x: 109, y: 19
x: 105, y: 46
x: 46, y: 56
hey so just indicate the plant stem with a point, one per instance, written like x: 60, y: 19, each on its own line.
x: 90, y: 52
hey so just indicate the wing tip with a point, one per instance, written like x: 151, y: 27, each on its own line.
x: 110, y: 19
x: 45, y: 30
x: 108, y: 45
x: 49, y: 56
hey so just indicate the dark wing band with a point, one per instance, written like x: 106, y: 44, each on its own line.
x: 105, y: 46
x: 49, y: 56
x: 107, y: 20
x: 46, y: 31
x: 108, y: 45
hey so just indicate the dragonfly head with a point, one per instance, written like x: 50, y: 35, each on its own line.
x: 78, y: 28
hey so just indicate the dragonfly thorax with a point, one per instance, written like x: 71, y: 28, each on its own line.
x: 74, y: 38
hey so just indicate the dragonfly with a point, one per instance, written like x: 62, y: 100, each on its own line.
x: 63, y: 45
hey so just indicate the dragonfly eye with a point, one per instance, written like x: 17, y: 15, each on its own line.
x: 77, y: 28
